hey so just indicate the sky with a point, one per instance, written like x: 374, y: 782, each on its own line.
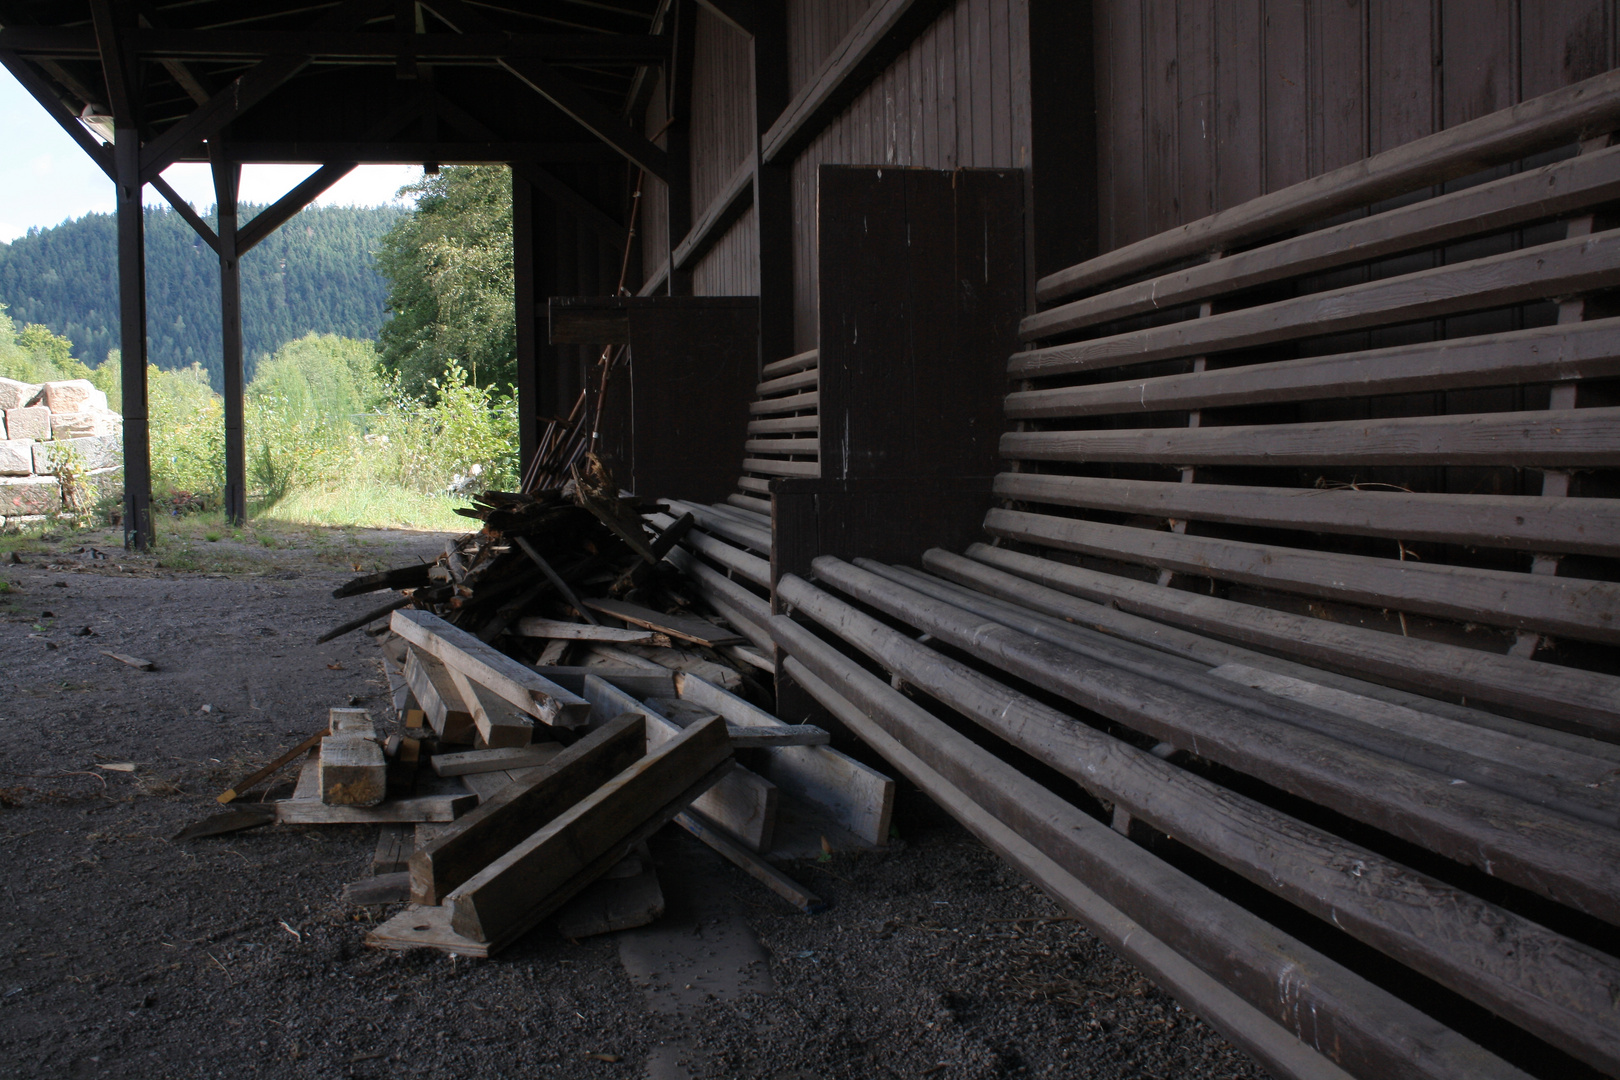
x: 45, y: 179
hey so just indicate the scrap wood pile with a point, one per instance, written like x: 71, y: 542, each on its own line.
x: 556, y: 700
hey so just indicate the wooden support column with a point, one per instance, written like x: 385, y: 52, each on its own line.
x: 227, y: 181
x: 525, y: 311
x: 773, y: 191
x: 678, y: 144
x: 132, y: 335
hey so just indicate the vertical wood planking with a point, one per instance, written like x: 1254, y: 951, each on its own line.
x: 1563, y: 42
x: 1285, y: 92
x: 1195, y: 99
x: 1239, y: 159
x: 1338, y: 38
x: 1161, y: 90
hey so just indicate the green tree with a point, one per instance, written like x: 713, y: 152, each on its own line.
x: 449, y: 265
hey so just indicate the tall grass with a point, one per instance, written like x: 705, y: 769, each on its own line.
x: 331, y: 438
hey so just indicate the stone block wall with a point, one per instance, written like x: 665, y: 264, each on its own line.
x: 47, y: 430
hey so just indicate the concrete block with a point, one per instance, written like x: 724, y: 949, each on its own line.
x: 87, y: 423
x: 28, y: 497
x: 16, y: 457
x: 72, y: 395
x: 94, y: 454
x: 14, y: 394
x: 29, y: 422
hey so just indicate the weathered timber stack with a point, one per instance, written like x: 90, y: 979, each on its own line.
x: 1292, y: 661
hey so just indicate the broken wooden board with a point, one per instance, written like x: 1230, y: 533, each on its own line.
x: 394, y: 846
x: 744, y: 803
x: 497, y: 723
x: 642, y: 682
x: 260, y: 775
x: 512, y: 681
x: 675, y: 660
x: 619, y: 900
x: 132, y: 661
x: 427, y: 926
x: 429, y: 680
x: 752, y: 865
x: 483, y: 761
x: 399, y: 691
x: 228, y: 821
x: 516, y: 810
x: 539, y: 875
x: 743, y: 736
x: 352, y: 770
x: 686, y: 627
x: 557, y: 630
x: 858, y: 797
x: 447, y: 801
x: 487, y: 785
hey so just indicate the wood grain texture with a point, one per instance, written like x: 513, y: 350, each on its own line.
x: 515, y: 682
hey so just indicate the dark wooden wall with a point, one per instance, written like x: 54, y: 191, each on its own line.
x: 1203, y: 104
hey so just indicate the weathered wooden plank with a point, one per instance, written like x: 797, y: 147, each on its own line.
x: 857, y: 796
x: 754, y: 483
x: 1579, y: 264
x: 1562, y: 439
x: 783, y: 384
x: 498, y: 724
x: 517, y: 810
x: 1587, y: 526
x: 811, y: 423
x: 1551, y: 191
x: 685, y: 627
x: 511, y: 680
x: 797, y: 362
x: 1541, y: 123
x: 1552, y: 354
x: 447, y: 714
x: 744, y: 803
x: 783, y: 446
x: 1571, y: 607
x: 1317, y: 1000
x: 749, y: 567
x: 793, y: 403
x: 558, y: 630
x: 534, y: 878
x: 1589, y: 701
x: 305, y: 806
x: 1510, y: 762
x: 1476, y: 948
x: 479, y: 761
x: 782, y: 468
x: 723, y: 523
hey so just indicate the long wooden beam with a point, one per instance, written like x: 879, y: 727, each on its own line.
x: 1551, y: 191
x: 1565, y: 606
x: 1470, y: 945
x: 470, y: 151
x: 1524, y: 522
x: 1546, y: 354
x: 1562, y: 116
x: 1563, y: 268
x: 156, y: 44
x: 724, y: 209
x: 1315, y: 1000
x: 190, y: 216
x: 882, y: 33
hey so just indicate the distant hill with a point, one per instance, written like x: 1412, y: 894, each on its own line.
x: 313, y: 274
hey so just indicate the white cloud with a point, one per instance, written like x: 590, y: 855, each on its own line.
x: 9, y: 232
x: 367, y: 185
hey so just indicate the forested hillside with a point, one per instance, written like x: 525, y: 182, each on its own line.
x: 313, y: 275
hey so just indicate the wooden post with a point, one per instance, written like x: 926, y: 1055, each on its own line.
x: 227, y: 177
x: 773, y: 190
x: 525, y: 311
x: 132, y: 334
x: 679, y: 141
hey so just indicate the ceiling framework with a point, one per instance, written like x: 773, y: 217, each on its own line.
x: 333, y: 83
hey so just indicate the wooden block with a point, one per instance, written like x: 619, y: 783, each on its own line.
x: 533, y: 879
x: 517, y: 810
x: 617, y: 901
x: 512, y: 681
x: 482, y: 761
x: 393, y: 854
x: 498, y: 724
x: 685, y: 627
x: 557, y: 630
x: 445, y: 802
x: 351, y: 722
x: 353, y: 771
x: 743, y: 736
x: 744, y: 803
x: 446, y: 713
x: 858, y: 797
x: 426, y: 926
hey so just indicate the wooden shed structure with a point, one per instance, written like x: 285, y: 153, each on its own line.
x: 1180, y: 436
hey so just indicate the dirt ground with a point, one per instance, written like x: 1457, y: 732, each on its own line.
x: 125, y: 954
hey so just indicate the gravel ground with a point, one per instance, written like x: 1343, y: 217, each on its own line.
x: 125, y: 954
